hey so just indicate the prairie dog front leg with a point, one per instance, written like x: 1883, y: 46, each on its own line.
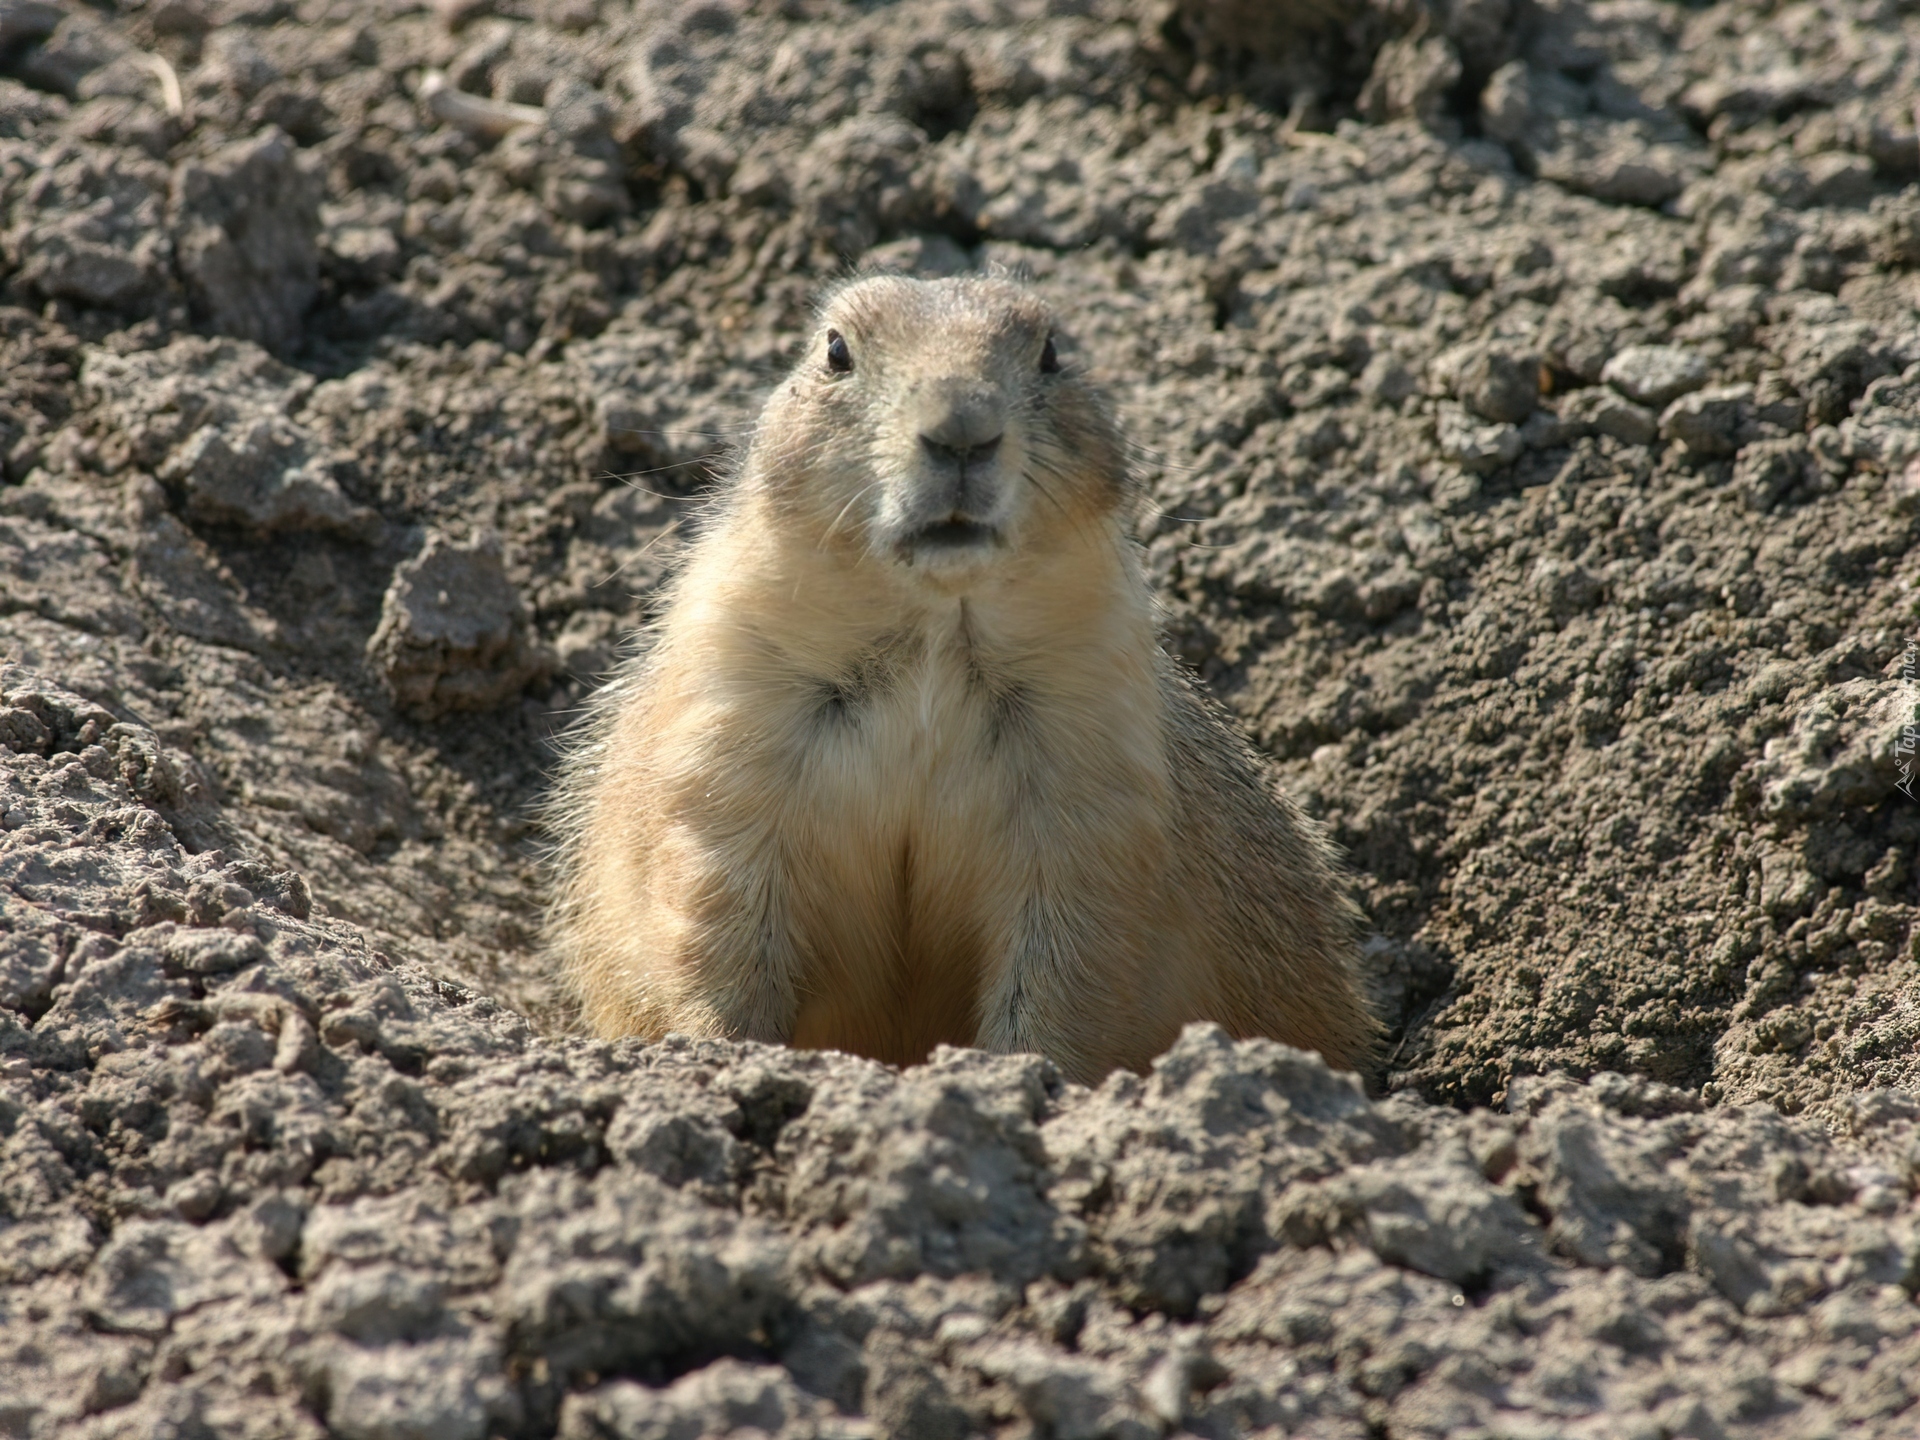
x: 680, y: 911
x: 727, y: 946
x: 1075, y: 974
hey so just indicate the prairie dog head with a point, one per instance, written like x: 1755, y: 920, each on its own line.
x: 930, y: 425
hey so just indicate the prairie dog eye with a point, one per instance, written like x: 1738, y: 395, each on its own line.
x: 1049, y: 358
x: 839, y: 357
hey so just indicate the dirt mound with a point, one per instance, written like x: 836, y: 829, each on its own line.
x: 260, y: 1179
x: 1529, y: 397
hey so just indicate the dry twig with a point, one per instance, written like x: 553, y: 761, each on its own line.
x: 476, y: 114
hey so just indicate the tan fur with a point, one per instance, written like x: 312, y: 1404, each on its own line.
x: 872, y: 792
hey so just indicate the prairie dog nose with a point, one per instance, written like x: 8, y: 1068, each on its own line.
x: 962, y: 423
x: 960, y: 454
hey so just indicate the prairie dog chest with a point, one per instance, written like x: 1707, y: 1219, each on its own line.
x: 953, y: 724
x: 921, y: 725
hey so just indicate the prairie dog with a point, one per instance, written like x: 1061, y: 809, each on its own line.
x: 904, y: 762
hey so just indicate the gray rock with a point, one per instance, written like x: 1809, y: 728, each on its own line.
x: 76, y: 45
x: 245, y: 222
x: 257, y: 473
x: 89, y: 230
x: 361, y: 252
x: 154, y: 1270
x: 215, y: 952
x: 437, y: 1390
x: 1566, y: 587
x: 1883, y: 432
x: 1655, y: 375
x: 1387, y: 381
x: 1437, y: 1215
x: 213, y: 420
x: 453, y: 631
x: 1710, y: 423
x: 1832, y: 361
x: 1768, y: 470
x: 1520, y: 98
x: 1608, y: 1191
x: 1844, y: 748
x: 1473, y: 445
x: 1610, y: 161
x: 1172, y: 1215
x: 1413, y: 78
x: 1838, y: 178
x: 964, y: 1176
x: 1560, y: 128
x: 728, y: 1397
x: 930, y: 256
x: 630, y: 1278
x: 1601, y: 411
x: 1069, y: 1396
x: 1494, y: 382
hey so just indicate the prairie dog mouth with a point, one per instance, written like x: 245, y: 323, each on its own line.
x: 945, y: 537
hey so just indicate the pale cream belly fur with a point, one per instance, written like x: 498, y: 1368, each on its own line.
x: 911, y: 844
